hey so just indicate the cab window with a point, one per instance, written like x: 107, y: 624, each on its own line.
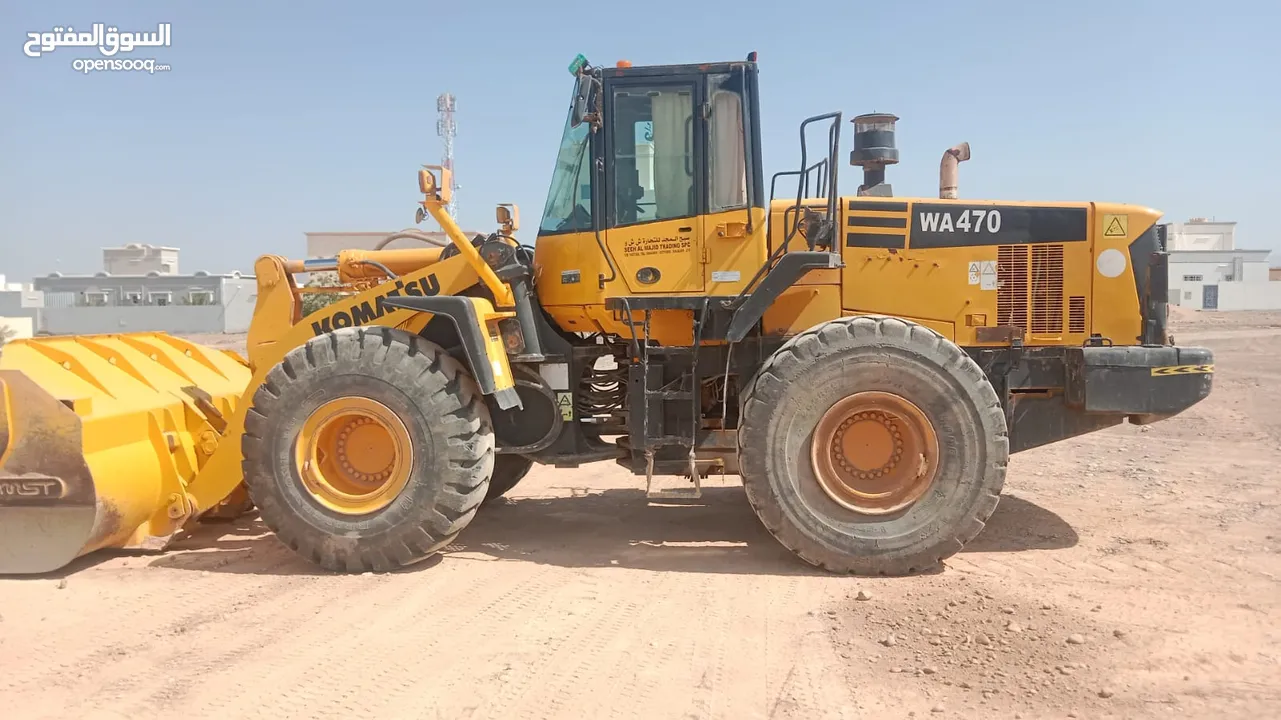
x: 653, y: 132
x: 726, y: 143
x: 569, y: 201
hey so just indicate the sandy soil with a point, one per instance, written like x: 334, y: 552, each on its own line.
x: 1130, y: 574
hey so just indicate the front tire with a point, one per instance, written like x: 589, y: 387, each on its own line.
x: 508, y: 471
x: 872, y: 446
x: 367, y: 449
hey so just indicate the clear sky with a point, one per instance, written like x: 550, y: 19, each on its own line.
x: 279, y: 118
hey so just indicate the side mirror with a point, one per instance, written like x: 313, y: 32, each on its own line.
x: 441, y: 190
x: 508, y: 216
x: 583, y: 94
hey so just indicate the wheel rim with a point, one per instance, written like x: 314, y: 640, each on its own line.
x: 874, y: 453
x: 354, y: 455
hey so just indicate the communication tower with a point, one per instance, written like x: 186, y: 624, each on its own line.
x: 446, y: 128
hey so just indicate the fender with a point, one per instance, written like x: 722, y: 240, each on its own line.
x: 472, y: 316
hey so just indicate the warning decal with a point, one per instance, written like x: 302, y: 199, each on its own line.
x: 983, y: 274
x: 565, y: 401
x: 1182, y: 370
x: 1116, y: 226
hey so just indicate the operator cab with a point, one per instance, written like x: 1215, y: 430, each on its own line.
x: 653, y: 160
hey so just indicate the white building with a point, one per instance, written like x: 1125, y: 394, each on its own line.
x: 106, y: 303
x: 1232, y: 280
x: 12, y: 286
x: 139, y: 259
x: 20, y: 305
x: 1200, y: 234
x: 1208, y: 272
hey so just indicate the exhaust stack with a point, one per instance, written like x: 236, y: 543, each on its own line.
x: 873, y: 150
x: 954, y: 156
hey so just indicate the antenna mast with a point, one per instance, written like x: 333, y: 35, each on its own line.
x: 446, y: 128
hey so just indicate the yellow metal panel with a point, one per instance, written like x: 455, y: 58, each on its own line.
x: 802, y: 307
x: 666, y: 327
x: 112, y: 429
x: 914, y: 283
x: 672, y: 247
x: 569, y: 269
x: 1053, y: 293
x: 733, y: 254
x: 1116, y: 313
x: 572, y: 318
x: 494, y: 341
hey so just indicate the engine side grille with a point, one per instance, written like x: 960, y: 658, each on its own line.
x: 1047, y: 289
x: 1076, y: 314
x: 1012, y: 286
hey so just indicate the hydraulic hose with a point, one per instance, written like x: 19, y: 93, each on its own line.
x: 412, y: 234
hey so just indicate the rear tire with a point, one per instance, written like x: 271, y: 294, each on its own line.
x: 440, y: 442
x: 508, y: 471
x: 950, y: 455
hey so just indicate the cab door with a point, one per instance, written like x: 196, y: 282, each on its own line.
x: 654, y: 182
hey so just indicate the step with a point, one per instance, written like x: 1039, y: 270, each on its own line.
x: 669, y: 441
x: 693, y: 493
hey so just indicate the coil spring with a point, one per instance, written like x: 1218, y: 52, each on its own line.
x: 602, y: 391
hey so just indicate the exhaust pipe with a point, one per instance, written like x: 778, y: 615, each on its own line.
x: 954, y: 156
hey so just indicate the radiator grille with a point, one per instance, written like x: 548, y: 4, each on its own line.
x: 1047, y: 289
x: 1011, y: 294
x: 1076, y: 314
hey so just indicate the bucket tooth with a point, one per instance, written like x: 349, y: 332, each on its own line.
x: 98, y: 437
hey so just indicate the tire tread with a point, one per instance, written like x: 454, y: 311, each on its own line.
x: 436, y: 381
x: 764, y: 390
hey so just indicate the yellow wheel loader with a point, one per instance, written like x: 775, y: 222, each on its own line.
x: 865, y: 363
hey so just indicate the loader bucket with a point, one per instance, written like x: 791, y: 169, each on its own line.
x: 99, y: 436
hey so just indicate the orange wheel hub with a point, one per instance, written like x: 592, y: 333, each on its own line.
x: 874, y: 453
x: 354, y: 455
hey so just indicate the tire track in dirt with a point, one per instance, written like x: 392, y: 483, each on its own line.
x: 546, y: 631
x: 795, y: 690
x: 140, y: 668
x: 598, y: 649
x: 375, y: 672
x: 160, y: 609
x: 537, y: 693
x: 708, y: 700
x: 237, y: 638
x: 475, y: 647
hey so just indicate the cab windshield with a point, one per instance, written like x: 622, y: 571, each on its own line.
x: 569, y: 201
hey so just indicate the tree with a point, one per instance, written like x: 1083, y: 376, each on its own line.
x: 311, y: 302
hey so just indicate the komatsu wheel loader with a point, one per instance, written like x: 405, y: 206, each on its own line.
x: 865, y: 363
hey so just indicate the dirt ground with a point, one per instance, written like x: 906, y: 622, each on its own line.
x: 1133, y: 573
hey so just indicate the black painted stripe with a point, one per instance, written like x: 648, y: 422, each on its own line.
x: 875, y: 240
x: 957, y: 225
x: 882, y: 222
x: 874, y: 206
